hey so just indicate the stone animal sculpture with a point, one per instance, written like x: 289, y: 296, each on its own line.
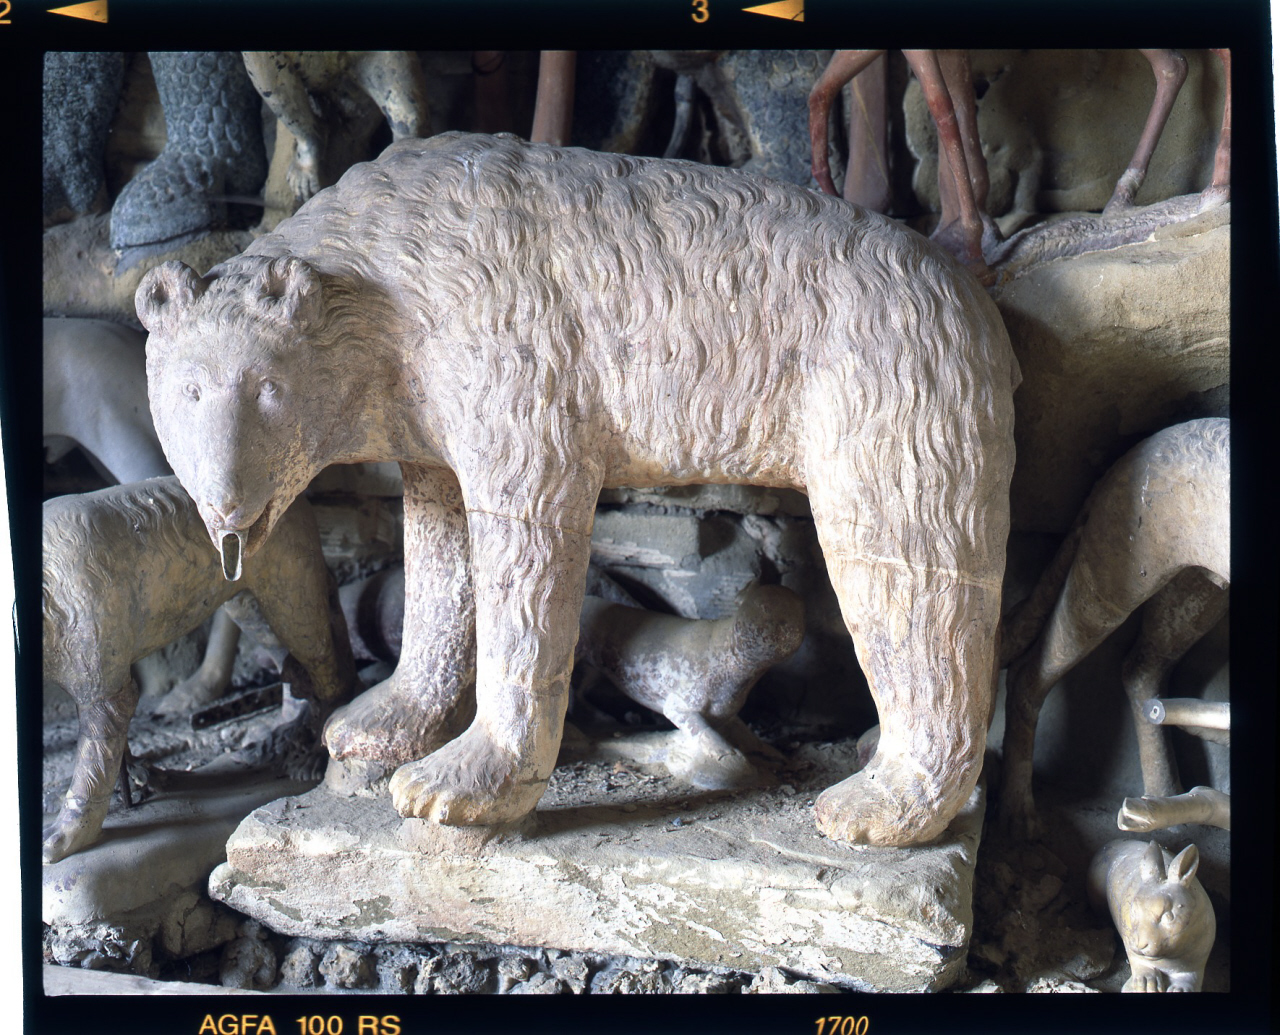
x: 521, y: 325
x: 80, y: 93
x: 129, y: 569
x: 1162, y: 912
x: 696, y: 673
x: 213, y: 148
x: 948, y: 91
x: 1210, y: 720
x: 1156, y: 530
x: 313, y: 93
x: 962, y: 173
x: 95, y: 397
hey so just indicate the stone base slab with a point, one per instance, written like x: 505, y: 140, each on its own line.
x: 145, y: 878
x: 621, y: 859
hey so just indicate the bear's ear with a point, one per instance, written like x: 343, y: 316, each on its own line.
x: 165, y: 293
x: 286, y: 290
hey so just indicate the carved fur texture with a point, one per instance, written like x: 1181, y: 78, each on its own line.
x: 530, y: 324
x: 129, y: 569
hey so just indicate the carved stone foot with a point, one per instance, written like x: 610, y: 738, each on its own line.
x: 190, y: 695
x: 77, y: 827
x: 887, y: 803
x: 390, y: 725
x: 469, y: 781
x: 706, y: 760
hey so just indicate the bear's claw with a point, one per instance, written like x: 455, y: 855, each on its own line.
x: 468, y: 782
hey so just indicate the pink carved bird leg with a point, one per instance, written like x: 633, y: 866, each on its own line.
x: 960, y: 233
x: 553, y: 110
x: 958, y: 76
x: 1170, y: 70
x: 1222, y: 158
x: 866, y: 182
x: 844, y: 65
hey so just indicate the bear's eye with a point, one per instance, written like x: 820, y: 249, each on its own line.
x: 191, y: 391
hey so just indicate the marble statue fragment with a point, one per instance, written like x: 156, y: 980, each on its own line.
x: 1162, y: 912
x: 129, y: 569
x: 314, y: 92
x: 213, y: 148
x: 1156, y: 530
x: 540, y: 323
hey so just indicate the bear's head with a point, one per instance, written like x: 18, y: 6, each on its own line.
x: 233, y: 389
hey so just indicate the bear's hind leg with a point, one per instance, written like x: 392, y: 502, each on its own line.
x: 530, y: 576
x: 104, y: 726
x: 429, y: 698
x: 926, y: 640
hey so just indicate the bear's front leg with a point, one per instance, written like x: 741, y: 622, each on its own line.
x: 529, y: 573
x: 428, y: 699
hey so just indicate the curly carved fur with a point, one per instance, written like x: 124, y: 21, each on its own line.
x: 542, y: 322
x: 127, y: 570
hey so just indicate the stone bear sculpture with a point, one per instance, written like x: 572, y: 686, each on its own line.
x: 522, y: 325
x: 95, y: 397
x: 1156, y: 530
x: 129, y: 569
x: 1162, y: 912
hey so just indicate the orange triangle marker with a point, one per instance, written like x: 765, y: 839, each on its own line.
x: 93, y: 11
x: 792, y: 10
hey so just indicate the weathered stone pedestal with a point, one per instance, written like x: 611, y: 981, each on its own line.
x: 622, y: 860
x: 141, y: 888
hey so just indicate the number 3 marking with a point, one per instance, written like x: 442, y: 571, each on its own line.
x: 700, y: 12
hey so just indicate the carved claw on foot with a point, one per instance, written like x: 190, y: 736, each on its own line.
x: 470, y: 781
x: 77, y: 826
x: 388, y: 725
x: 885, y: 804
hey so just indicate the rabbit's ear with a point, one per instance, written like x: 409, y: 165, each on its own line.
x: 1184, y: 865
x: 1151, y: 868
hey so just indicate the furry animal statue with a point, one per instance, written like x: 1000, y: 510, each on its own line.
x: 126, y: 571
x: 1162, y: 912
x: 521, y: 325
x: 1156, y: 530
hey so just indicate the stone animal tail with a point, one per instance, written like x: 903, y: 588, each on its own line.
x: 1020, y: 627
